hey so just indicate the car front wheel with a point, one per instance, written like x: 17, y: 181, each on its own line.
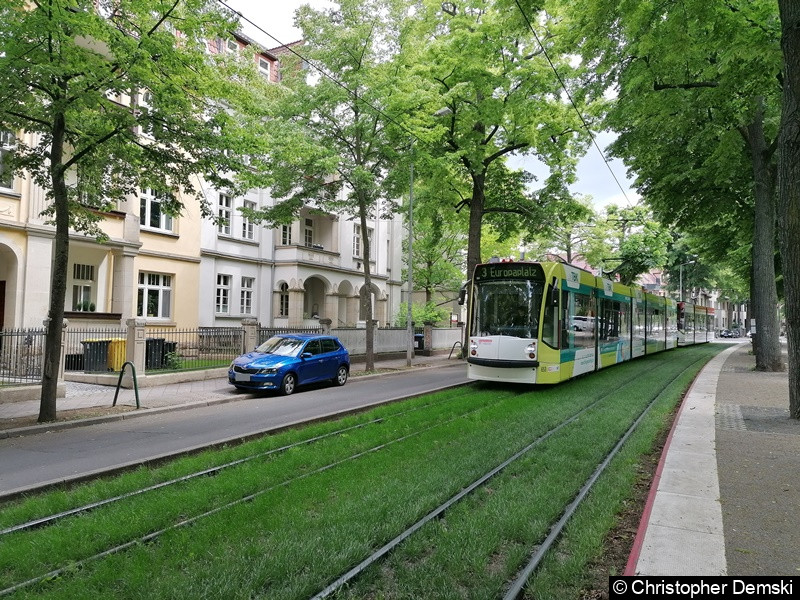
x: 341, y: 375
x: 288, y: 384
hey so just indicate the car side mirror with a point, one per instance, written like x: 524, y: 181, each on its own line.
x: 306, y: 355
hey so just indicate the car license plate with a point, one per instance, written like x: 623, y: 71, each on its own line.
x: 242, y: 376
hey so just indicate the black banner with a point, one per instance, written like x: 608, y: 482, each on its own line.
x: 700, y: 588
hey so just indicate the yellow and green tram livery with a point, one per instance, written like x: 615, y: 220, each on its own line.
x: 542, y: 322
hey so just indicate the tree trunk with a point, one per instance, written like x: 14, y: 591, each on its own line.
x: 789, y: 191
x: 475, y: 222
x: 58, y: 283
x: 765, y: 299
x: 366, y: 297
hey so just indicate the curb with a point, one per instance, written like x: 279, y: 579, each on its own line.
x: 62, y: 425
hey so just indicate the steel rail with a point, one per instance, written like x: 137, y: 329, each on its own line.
x: 51, y: 519
x: 518, y: 585
x: 185, y: 522
x: 78, y: 564
x: 442, y: 508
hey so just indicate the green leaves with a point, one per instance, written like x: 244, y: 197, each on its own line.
x: 129, y: 97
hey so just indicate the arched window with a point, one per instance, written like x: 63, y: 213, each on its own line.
x: 283, y: 300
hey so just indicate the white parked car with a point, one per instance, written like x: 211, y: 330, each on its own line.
x: 582, y: 323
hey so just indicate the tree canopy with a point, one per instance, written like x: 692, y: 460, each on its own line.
x: 486, y: 90
x: 697, y: 108
x: 116, y: 96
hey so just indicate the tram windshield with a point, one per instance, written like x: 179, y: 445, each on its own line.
x: 507, y: 307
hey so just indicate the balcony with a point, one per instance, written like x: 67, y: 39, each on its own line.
x: 315, y: 254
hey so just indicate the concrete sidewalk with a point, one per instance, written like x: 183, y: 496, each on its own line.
x: 725, y: 497
x: 178, y: 395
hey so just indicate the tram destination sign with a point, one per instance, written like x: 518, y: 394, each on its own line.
x: 508, y: 271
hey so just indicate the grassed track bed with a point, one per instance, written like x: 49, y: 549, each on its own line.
x: 313, y: 512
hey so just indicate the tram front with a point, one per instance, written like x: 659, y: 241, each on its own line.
x: 505, y: 310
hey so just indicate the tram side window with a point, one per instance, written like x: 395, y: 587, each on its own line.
x: 579, y: 333
x: 655, y: 321
x: 550, y: 324
x: 625, y: 319
x: 610, y: 320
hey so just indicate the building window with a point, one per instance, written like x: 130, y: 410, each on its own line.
x: 308, y: 233
x: 82, y: 287
x: 248, y: 283
x: 7, y: 145
x: 224, y: 214
x: 155, y: 295
x: 286, y: 235
x: 248, y: 227
x: 223, y: 294
x: 264, y: 67
x: 283, y: 301
x: 357, y: 239
x: 151, y: 212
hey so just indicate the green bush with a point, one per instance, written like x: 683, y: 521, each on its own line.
x: 422, y: 314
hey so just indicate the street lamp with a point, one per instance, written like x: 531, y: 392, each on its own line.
x: 680, y: 279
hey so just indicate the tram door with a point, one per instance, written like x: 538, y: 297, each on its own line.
x: 578, y: 341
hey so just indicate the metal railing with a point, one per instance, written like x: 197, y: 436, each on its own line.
x: 189, y: 349
x: 264, y: 333
x: 104, y: 350
x: 94, y: 350
x: 21, y: 356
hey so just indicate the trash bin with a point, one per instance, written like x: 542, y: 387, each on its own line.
x: 419, y: 341
x: 95, y: 356
x: 116, y: 353
x: 154, y: 353
x: 73, y: 362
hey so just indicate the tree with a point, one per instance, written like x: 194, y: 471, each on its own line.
x: 83, y: 79
x: 789, y: 191
x: 422, y: 313
x: 332, y: 150
x: 438, y: 248
x: 697, y: 116
x: 569, y: 235
x: 484, y: 75
x: 627, y: 242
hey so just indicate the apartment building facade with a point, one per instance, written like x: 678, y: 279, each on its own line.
x: 187, y: 272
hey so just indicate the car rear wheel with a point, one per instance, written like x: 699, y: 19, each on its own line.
x: 288, y: 384
x: 341, y: 375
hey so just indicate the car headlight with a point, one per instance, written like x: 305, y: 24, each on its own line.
x: 269, y: 371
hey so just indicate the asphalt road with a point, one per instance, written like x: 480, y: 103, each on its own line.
x: 55, y: 457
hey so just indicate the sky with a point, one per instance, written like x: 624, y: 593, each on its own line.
x: 594, y: 178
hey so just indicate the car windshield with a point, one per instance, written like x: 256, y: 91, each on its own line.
x: 281, y: 346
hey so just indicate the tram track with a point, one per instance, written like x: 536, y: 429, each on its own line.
x: 153, y: 535
x: 378, y: 555
x: 211, y: 471
x: 517, y: 585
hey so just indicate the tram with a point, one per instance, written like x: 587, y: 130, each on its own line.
x: 546, y: 322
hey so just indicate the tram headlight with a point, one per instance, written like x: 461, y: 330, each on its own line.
x: 530, y: 350
x: 473, y: 348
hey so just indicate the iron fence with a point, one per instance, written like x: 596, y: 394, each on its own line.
x: 188, y: 349
x: 94, y: 350
x: 264, y: 333
x: 21, y: 356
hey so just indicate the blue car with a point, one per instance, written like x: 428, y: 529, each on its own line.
x: 285, y: 361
